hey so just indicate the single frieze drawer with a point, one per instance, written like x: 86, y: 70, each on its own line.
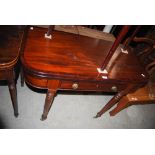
x: 89, y: 86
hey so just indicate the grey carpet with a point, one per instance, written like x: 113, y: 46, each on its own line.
x: 70, y: 111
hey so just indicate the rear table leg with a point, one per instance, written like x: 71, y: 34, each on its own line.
x: 13, y: 91
x: 22, y: 76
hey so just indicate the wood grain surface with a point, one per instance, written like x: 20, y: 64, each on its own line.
x: 70, y: 56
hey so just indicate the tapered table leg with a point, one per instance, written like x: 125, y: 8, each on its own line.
x: 48, y: 103
x: 22, y: 76
x: 13, y: 93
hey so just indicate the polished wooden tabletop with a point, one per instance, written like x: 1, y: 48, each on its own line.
x: 10, y: 41
x: 71, y: 56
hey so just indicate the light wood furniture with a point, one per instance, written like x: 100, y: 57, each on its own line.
x: 142, y: 96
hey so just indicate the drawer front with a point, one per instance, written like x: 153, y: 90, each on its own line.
x: 86, y: 86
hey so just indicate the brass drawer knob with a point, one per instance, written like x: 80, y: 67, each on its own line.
x: 75, y: 86
x: 114, y: 88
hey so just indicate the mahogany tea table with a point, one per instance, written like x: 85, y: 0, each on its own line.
x: 10, y: 44
x: 72, y: 62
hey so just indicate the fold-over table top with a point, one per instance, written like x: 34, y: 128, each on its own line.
x: 10, y: 41
x: 71, y: 56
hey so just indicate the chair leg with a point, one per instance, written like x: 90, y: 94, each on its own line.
x: 48, y: 103
x: 13, y: 94
x: 122, y: 104
x: 115, y: 99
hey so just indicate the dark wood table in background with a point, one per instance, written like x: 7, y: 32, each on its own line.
x: 70, y: 62
x: 10, y: 43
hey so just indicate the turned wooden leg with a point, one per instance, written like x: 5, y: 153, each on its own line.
x: 111, y: 103
x: 13, y: 94
x: 22, y: 76
x: 115, y: 99
x: 122, y: 104
x: 48, y: 103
